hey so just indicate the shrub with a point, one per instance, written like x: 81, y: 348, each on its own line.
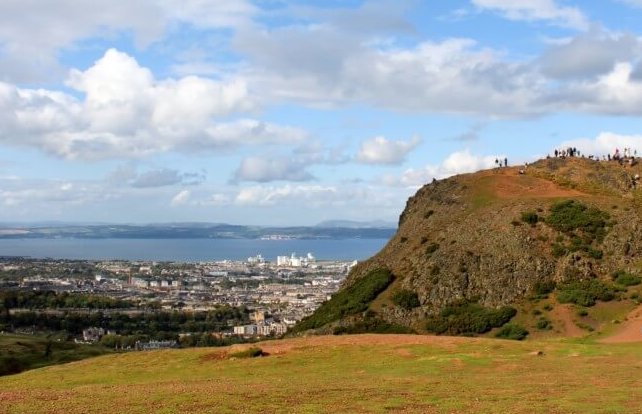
x: 548, y: 307
x: 558, y: 250
x: 626, y: 279
x: 543, y: 288
x: 252, y: 352
x: 536, y: 312
x: 544, y: 324
x: 403, y: 239
x: 530, y: 217
x: 432, y: 247
x: 406, y: 299
x: 570, y: 216
x: 348, y: 301
x: 467, y: 318
x: 585, y: 293
x: 582, y: 312
x: 372, y: 325
x: 512, y: 331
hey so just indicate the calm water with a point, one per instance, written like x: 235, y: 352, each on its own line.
x: 188, y: 250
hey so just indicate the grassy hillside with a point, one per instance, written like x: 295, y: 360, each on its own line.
x: 22, y: 352
x: 344, y: 374
x: 495, y: 239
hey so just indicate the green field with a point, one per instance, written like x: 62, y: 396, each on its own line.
x: 345, y: 374
x: 22, y: 352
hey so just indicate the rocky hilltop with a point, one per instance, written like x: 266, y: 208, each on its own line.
x: 498, y: 236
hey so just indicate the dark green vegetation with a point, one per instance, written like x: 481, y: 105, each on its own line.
x: 626, y: 279
x: 512, y: 331
x: 11, y: 299
x: 469, y: 318
x: 530, y: 217
x: 131, y: 326
x: 406, y: 299
x: 21, y: 352
x: 371, y: 325
x: 585, y: 292
x: 252, y: 352
x: 348, y: 301
x: 583, y: 226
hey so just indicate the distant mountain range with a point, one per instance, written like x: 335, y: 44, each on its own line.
x: 327, y: 230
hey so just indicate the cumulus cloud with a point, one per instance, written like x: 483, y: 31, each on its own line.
x: 589, y: 54
x: 379, y: 150
x: 128, y: 175
x: 181, y: 198
x: 32, y: 32
x: 605, y: 143
x: 459, y: 162
x: 268, y: 196
x: 126, y: 112
x: 536, y: 10
x: 261, y: 169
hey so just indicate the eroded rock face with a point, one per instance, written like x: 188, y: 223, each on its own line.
x: 463, y: 237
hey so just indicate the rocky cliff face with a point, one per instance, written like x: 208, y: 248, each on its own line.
x: 465, y: 237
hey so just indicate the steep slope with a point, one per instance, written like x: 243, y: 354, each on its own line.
x: 497, y: 236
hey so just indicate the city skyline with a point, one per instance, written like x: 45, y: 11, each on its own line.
x: 292, y: 113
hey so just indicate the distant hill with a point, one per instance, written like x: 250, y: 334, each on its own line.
x: 349, y: 224
x: 477, y: 250
x: 190, y: 231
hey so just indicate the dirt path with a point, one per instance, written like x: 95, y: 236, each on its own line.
x: 564, y: 314
x: 509, y: 184
x: 630, y: 330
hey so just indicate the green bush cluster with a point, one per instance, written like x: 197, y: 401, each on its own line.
x: 467, y: 318
x: 542, y: 289
x: 406, y: 299
x: 544, y: 324
x: 252, y: 352
x: 512, y: 331
x: 530, y: 217
x: 585, y: 292
x: 626, y: 279
x: 372, y: 325
x: 348, y: 301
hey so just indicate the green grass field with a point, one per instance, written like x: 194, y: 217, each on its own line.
x: 347, y: 374
x: 22, y: 352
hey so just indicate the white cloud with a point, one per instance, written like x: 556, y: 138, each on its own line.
x: 534, y: 10
x: 127, y: 113
x: 269, y: 196
x: 590, y: 54
x: 32, y: 32
x: 181, y: 198
x: 263, y: 170
x: 459, y: 162
x: 379, y: 150
x: 605, y: 143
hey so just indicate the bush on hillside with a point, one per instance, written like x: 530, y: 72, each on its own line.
x: 372, y: 325
x: 626, y: 279
x: 406, y: 299
x: 585, y: 292
x: 542, y: 289
x: 530, y: 217
x: 571, y: 216
x: 512, y: 331
x: 252, y: 352
x: 348, y: 301
x: 467, y: 318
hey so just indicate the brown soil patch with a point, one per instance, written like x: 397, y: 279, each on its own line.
x: 283, y: 346
x: 562, y: 316
x: 510, y: 184
x: 630, y: 330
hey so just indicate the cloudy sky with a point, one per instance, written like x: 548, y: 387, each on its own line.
x: 293, y: 112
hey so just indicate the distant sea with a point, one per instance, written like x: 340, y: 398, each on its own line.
x: 189, y: 250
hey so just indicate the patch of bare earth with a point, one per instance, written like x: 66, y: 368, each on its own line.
x: 563, y: 315
x: 284, y: 346
x: 630, y: 330
x: 510, y: 184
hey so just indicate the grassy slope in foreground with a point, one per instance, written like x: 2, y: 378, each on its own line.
x: 345, y: 374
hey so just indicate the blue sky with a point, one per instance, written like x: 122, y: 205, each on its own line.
x: 294, y: 112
